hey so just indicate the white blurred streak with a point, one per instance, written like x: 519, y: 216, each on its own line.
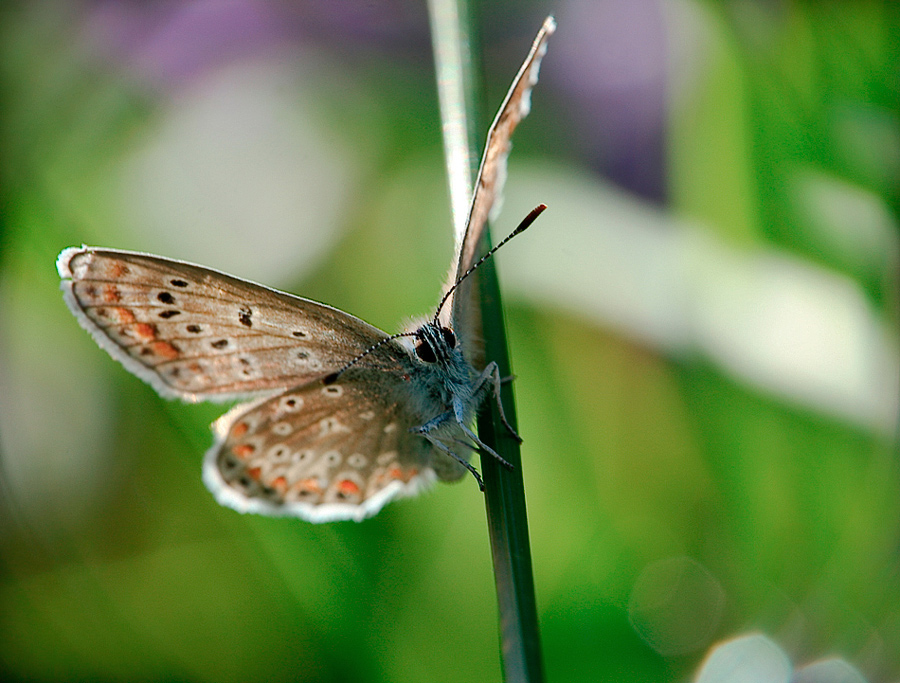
x: 832, y: 670
x: 852, y: 225
x: 793, y: 328
x: 778, y: 322
x: 451, y: 61
x: 756, y: 659
x: 676, y: 605
x: 242, y: 174
x: 596, y: 253
x: 746, y: 659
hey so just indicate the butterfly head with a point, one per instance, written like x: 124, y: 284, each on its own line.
x: 434, y: 343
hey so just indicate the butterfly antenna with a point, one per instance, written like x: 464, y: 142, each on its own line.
x: 523, y: 226
x: 333, y: 377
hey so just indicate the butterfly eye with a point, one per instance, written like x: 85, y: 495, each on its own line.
x: 449, y: 337
x: 425, y: 352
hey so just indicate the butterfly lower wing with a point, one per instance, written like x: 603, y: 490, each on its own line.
x: 194, y: 333
x: 486, y: 199
x: 323, y: 452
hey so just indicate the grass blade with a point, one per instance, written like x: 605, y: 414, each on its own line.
x: 504, y: 489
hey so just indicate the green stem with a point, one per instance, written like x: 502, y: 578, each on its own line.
x: 504, y: 489
x: 506, y: 511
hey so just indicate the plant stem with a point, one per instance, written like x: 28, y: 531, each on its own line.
x: 504, y: 489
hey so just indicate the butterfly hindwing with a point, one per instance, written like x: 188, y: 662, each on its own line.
x: 195, y: 333
x: 323, y: 452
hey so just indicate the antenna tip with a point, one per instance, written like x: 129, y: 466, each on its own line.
x: 529, y: 219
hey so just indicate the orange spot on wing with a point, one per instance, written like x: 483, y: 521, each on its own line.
x: 117, y: 270
x: 348, y: 487
x: 279, y: 484
x: 311, y: 484
x: 122, y: 315
x: 165, y: 350
x: 144, y: 331
x: 243, y: 450
x: 111, y: 294
x: 254, y: 472
x: 398, y: 473
x: 239, y: 429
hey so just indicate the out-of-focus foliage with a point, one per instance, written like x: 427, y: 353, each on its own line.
x: 703, y: 326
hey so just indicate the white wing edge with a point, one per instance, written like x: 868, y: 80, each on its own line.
x: 317, y: 514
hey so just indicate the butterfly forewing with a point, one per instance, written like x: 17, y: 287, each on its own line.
x: 323, y: 452
x: 486, y: 198
x: 193, y: 333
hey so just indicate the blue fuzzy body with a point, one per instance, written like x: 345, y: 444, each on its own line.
x: 443, y: 387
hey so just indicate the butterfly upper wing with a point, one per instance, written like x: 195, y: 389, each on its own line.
x: 194, y: 333
x: 324, y: 452
x: 486, y: 199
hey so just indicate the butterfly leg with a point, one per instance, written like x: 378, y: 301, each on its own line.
x: 432, y: 424
x: 484, y: 447
x: 491, y: 374
x: 437, y: 443
x: 459, y: 412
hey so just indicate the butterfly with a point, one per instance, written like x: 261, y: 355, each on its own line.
x: 344, y: 417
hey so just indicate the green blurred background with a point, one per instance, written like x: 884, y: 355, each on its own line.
x: 703, y: 326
